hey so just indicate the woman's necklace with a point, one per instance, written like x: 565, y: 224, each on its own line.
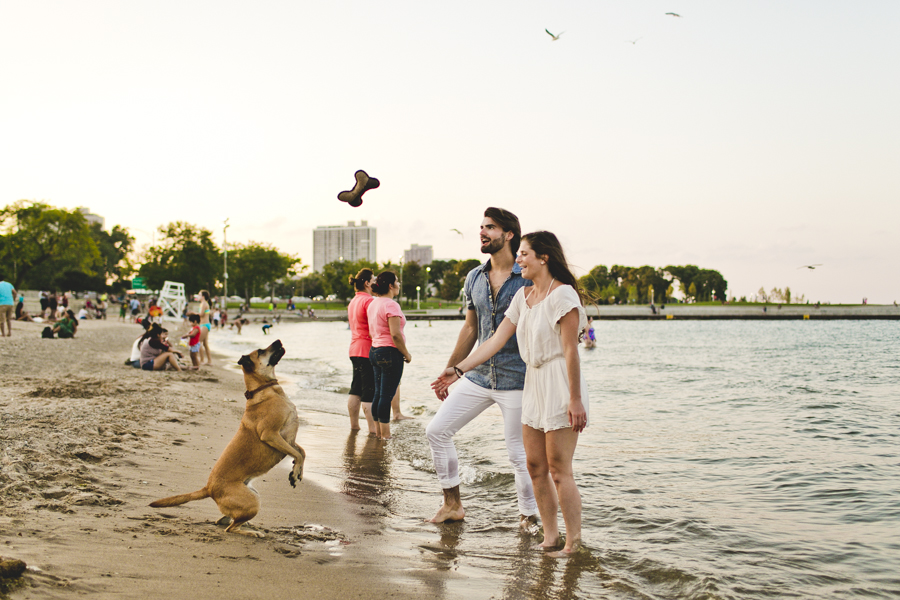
x: 547, y: 293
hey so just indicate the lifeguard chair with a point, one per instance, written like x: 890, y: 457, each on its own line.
x: 172, y: 300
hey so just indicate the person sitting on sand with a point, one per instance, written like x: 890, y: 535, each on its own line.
x: 66, y: 327
x: 156, y: 354
x: 135, y: 358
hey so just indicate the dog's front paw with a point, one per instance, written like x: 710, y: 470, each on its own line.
x: 296, y: 474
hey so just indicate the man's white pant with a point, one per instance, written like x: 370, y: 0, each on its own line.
x: 465, y: 402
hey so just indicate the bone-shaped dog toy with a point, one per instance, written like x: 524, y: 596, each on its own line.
x: 364, y: 183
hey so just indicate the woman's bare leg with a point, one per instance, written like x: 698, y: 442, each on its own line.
x: 544, y: 491
x: 560, y: 449
x: 395, y: 407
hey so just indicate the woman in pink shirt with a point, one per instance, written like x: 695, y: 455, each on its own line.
x: 362, y: 389
x: 386, y: 322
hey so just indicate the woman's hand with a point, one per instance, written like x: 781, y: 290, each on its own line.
x: 577, y: 415
x: 407, y: 358
x: 441, y: 385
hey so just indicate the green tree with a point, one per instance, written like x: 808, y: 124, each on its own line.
x: 114, y: 247
x: 455, y: 278
x: 413, y: 275
x: 40, y: 244
x: 692, y: 292
x: 336, y: 275
x: 253, y: 268
x: 310, y: 286
x: 186, y: 254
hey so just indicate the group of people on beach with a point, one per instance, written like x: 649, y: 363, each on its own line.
x: 153, y: 351
x: 526, y: 313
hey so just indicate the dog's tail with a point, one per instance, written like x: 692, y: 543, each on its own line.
x: 181, y: 499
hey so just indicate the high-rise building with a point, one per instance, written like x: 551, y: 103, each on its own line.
x: 424, y: 255
x: 91, y: 217
x: 349, y: 242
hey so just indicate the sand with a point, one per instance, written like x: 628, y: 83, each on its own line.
x: 87, y: 443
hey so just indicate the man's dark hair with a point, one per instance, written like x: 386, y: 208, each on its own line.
x: 507, y: 222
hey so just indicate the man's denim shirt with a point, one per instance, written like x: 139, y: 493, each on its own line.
x: 505, y: 370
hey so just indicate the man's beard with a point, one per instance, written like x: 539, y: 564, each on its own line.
x: 492, y: 246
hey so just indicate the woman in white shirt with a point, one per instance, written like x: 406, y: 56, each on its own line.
x: 547, y: 319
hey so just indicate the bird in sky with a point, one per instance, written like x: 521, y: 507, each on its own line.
x: 810, y: 267
x: 458, y: 231
x: 674, y: 15
x: 555, y: 37
x: 634, y: 41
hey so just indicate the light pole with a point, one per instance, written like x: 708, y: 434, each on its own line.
x: 400, y: 279
x: 427, y: 280
x: 417, y: 297
x: 225, y: 247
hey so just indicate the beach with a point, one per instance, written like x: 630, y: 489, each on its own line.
x: 87, y: 443
x: 724, y: 459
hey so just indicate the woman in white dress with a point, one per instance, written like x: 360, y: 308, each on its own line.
x: 547, y: 318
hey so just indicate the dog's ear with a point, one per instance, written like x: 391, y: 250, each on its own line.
x: 247, y: 363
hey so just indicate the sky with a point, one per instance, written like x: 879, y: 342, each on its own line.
x: 748, y: 137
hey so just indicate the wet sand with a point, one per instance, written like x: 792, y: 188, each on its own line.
x: 87, y: 443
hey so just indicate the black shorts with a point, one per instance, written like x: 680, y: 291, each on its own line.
x: 363, y: 384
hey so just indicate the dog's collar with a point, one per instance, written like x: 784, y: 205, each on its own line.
x: 249, y: 394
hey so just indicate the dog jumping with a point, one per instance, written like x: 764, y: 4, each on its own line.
x: 266, y: 435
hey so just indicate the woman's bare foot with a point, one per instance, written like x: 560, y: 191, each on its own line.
x: 571, y: 549
x: 401, y: 417
x: 547, y: 546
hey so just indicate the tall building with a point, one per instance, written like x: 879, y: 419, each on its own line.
x: 91, y: 217
x: 424, y: 255
x: 349, y: 242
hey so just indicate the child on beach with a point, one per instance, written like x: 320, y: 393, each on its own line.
x: 193, y: 337
x: 266, y: 327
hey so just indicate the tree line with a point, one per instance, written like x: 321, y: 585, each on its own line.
x: 44, y: 247
x: 643, y: 285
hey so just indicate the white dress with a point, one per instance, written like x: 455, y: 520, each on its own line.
x: 545, y: 399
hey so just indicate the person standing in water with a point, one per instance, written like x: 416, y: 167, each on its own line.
x: 489, y: 289
x: 548, y: 318
x: 362, y: 388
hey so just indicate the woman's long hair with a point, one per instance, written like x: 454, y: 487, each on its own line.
x: 154, y: 331
x: 205, y: 295
x: 359, y: 282
x: 383, y: 282
x: 546, y: 244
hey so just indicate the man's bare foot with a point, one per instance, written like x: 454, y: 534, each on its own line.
x: 448, y: 513
x: 528, y: 523
x: 402, y: 417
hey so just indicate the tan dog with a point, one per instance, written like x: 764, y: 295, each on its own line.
x: 266, y: 435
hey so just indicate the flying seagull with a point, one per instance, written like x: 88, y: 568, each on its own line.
x: 634, y: 41
x: 555, y: 37
x: 674, y: 14
x: 810, y: 267
x: 458, y: 231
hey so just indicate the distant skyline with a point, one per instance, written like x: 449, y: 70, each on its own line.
x: 750, y: 138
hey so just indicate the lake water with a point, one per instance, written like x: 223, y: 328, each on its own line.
x: 728, y: 459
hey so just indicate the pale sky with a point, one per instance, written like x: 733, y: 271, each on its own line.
x: 748, y: 137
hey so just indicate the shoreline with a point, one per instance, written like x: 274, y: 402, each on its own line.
x: 88, y: 443
x: 637, y: 312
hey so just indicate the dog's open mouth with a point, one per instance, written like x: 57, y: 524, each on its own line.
x: 277, y: 352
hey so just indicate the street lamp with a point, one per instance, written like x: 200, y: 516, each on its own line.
x: 225, y: 246
x: 417, y: 296
x: 400, y: 279
x: 427, y: 280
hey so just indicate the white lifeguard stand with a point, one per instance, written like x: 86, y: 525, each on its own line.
x: 172, y: 299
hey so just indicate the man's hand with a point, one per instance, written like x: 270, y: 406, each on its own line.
x: 441, y: 385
